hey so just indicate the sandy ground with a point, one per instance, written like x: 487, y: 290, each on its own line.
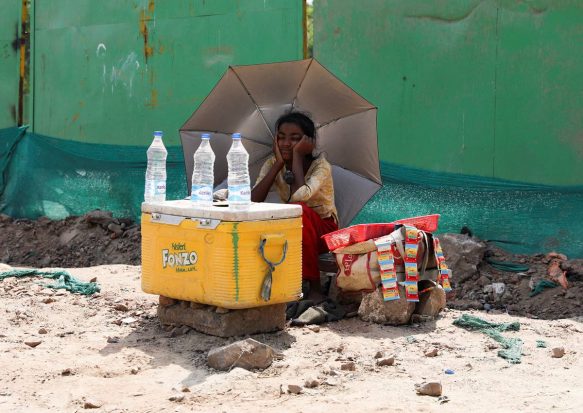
x: 123, y: 361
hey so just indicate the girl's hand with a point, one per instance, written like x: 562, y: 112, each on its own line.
x: 278, y: 158
x: 304, y: 147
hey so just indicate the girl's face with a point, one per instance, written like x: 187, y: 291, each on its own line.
x: 288, y: 135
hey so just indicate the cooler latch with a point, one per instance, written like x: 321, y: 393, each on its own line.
x: 207, y: 223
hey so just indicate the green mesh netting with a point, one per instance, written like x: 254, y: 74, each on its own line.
x: 528, y: 218
x: 541, y: 286
x: 512, y: 347
x: 64, y: 280
x: 58, y: 178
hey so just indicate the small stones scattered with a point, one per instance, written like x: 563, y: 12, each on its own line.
x: 433, y: 389
x: 350, y: 366
x: 121, y: 307
x: 314, y: 328
x: 42, y: 330
x: 92, y: 404
x: 134, y: 371
x: 558, y: 352
x: 66, y: 372
x: 294, y: 389
x: 33, y: 343
x: 311, y: 383
x: 386, y: 361
x: 379, y: 355
x: 48, y: 300
x: 176, y: 398
x: 432, y: 353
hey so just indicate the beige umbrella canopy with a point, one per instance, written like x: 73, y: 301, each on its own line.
x: 249, y: 99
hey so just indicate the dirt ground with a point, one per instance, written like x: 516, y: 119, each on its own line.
x: 109, y: 352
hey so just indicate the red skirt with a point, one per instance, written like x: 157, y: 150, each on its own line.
x: 313, y: 227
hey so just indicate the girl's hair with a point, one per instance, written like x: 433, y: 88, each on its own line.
x: 298, y: 118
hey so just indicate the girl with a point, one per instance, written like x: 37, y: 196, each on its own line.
x: 299, y: 177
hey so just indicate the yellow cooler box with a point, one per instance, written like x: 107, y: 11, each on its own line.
x: 219, y: 256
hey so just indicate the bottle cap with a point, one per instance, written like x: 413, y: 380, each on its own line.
x: 158, y: 133
x: 236, y: 136
x: 205, y: 136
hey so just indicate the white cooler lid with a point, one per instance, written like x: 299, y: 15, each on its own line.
x: 257, y: 211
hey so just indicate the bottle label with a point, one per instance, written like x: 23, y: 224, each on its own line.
x: 160, y: 187
x: 201, y: 193
x: 239, y: 193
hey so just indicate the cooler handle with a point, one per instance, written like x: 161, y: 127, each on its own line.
x: 267, y: 281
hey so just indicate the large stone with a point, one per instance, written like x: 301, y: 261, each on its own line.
x: 462, y: 255
x: 207, y: 320
x: 574, y: 269
x: 396, y: 312
x: 248, y: 354
x: 431, y: 302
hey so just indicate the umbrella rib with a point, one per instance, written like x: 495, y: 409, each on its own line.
x: 345, y: 116
x: 300, y: 85
x: 252, y: 100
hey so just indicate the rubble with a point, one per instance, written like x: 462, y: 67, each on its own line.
x: 248, y: 354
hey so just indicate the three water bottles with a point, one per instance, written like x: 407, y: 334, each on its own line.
x: 203, y: 173
x: 238, y: 179
x: 155, y: 190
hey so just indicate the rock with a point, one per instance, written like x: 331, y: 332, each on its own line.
x: 32, y: 343
x: 350, y: 366
x: 166, y: 301
x: 311, y: 383
x: 379, y: 355
x: 483, y: 281
x: 294, y: 389
x: 179, y: 331
x: 121, y: 307
x: 92, y: 404
x: 185, y: 389
x: 314, y: 328
x: 387, y: 361
x: 234, y: 323
x: 113, y: 340
x: 432, y: 353
x: 431, y: 302
x: 574, y: 269
x: 221, y: 310
x: 462, y: 254
x: 558, y: 352
x: 66, y: 372
x: 99, y: 217
x: 134, y: 371
x: 93, y: 280
x: 42, y: 330
x: 129, y: 320
x: 396, y: 312
x: 49, y: 300
x: 176, y: 398
x: 115, y: 229
x: 429, y: 389
x: 248, y: 354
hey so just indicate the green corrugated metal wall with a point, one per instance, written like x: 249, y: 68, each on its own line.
x: 491, y: 88
x: 9, y: 61
x: 112, y: 71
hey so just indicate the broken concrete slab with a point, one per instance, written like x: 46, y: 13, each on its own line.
x: 205, y: 319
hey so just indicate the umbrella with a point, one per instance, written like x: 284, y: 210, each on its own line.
x: 249, y: 99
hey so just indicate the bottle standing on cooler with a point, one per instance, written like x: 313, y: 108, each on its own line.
x: 203, y: 173
x: 156, y: 170
x: 238, y: 178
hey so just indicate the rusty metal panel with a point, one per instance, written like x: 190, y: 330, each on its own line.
x: 9, y: 61
x: 112, y: 71
x: 490, y: 88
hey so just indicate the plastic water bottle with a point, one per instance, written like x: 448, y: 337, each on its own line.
x: 203, y: 173
x: 238, y: 179
x: 156, y: 170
